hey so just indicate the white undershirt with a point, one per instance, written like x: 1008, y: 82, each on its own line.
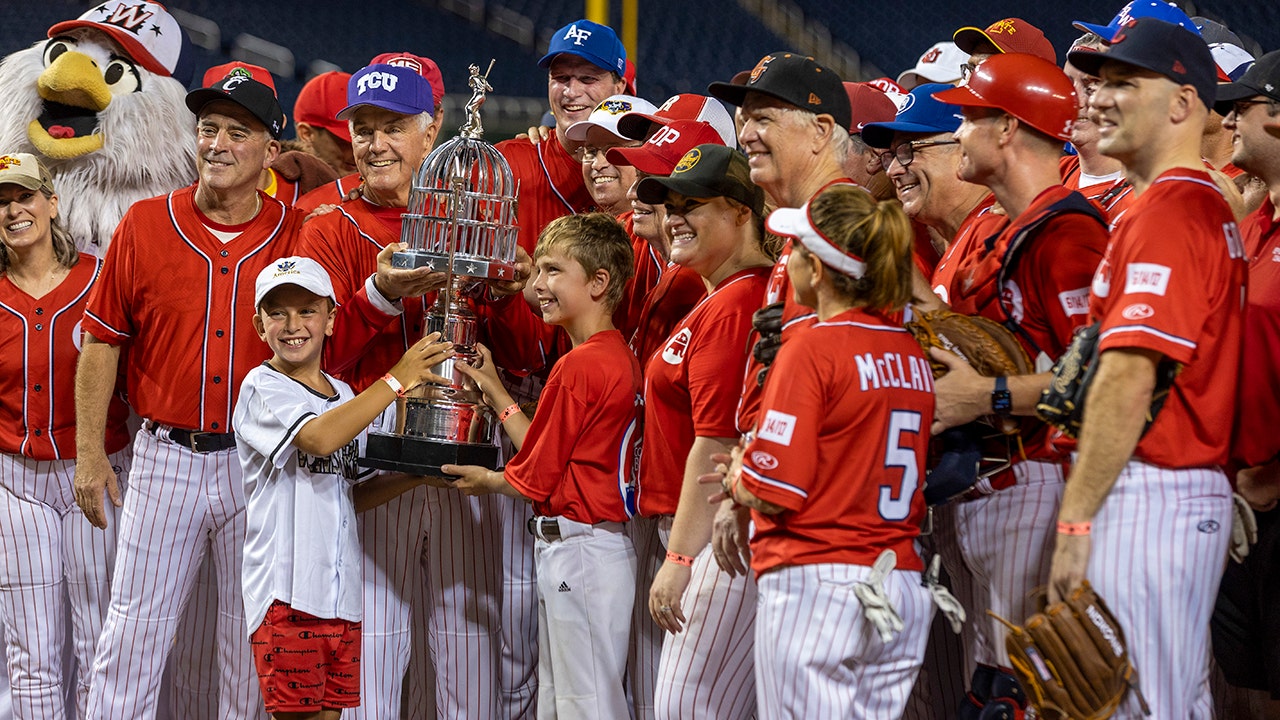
x: 1087, y: 180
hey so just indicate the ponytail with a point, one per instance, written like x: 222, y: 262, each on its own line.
x: 877, y: 232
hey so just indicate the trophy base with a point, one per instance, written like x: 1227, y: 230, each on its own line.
x: 422, y: 456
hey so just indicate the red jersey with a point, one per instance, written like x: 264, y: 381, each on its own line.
x: 968, y: 235
x: 648, y: 266
x: 578, y: 458
x: 692, y: 386
x: 924, y: 252
x: 1256, y: 441
x: 328, y: 194
x: 1113, y: 196
x: 183, y: 302
x: 678, y: 291
x: 1172, y: 281
x: 550, y: 183
x: 841, y: 446
x: 39, y: 347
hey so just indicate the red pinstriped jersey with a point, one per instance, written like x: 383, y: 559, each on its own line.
x: 578, y: 458
x: 1173, y: 281
x: 549, y: 182
x: 841, y: 445
x: 328, y: 194
x: 39, y: 347
x: 1258, y: 414
x: 1113, y: 196
x: 692, y: 385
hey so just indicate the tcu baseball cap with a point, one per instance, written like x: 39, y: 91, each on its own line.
x: 424, y: 66
x: 240, y: 88
x: 706, y: 171
x: 26, y: 170
x: 597, y: 44
x: 868, y: 104
x: 301, y: 271
x: 795, y: 79
x: 320, y: 100
x: 1138, y: 9
x: 146, y: 30
x: 685, y: 106
x: 607, y: 114
x: 1263, y: 78
x: 918, y: 113
x: 939, y: 64
x: 798, y: 223
x: 1163, y: 48
x: 390, y: 87
x: 1010, y: 35
x: 662, y: 151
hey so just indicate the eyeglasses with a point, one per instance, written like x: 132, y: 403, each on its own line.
x: 906, y: 154
x: 965, y: 71
x: 588, y: 154
x: 1239, y: 106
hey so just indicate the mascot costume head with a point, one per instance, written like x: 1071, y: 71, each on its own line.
x: 101, y: 102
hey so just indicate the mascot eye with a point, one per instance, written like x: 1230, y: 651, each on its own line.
x: 122, y: 77
x: 56, y: 47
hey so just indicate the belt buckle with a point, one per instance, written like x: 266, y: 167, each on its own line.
x: 197, y: 440
x: 543, y: 527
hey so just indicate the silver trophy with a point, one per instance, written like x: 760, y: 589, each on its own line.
x: 461, y: 221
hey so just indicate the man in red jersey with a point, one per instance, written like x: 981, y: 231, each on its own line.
x: 1141, y: 507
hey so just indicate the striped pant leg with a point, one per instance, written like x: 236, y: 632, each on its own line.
x: 518, y: 663
x: 645, y: 647
x: 1158, y: 552
x: 419, y: 701
x: 706, y: 671
x: 191, y: 675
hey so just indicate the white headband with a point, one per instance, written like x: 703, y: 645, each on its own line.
x: 796, y: 223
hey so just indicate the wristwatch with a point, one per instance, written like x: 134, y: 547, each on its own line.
x: 1001, y: 400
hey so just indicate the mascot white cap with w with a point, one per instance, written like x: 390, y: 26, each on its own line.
x: 101, y: 102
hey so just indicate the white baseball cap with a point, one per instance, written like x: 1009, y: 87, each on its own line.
x: 939, y: 64
x: 606, y: 115
x: 685, y: 106
x: 301, y: 271
x: 151, y: 36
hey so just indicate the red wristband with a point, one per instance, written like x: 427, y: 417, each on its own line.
x: 395, y: 385
x: 507, y: 412
x: 1079, y: 528
x: 679, y: 559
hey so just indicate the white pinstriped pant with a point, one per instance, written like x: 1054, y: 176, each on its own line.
x: 1158, y: 553
x: 817, y: 656
x: 1006, y: 542
x: 645, y: 647
x: 48, y: 552
x: 180, y: 506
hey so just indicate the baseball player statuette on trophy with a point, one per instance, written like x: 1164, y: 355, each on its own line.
x: 460, y: 221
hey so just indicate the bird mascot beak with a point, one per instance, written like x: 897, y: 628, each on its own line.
x: 74, y: 92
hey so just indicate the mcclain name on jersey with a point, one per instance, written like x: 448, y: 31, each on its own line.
x: 342, y: 462
x: 889, y: 370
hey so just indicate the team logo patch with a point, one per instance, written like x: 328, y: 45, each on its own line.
x: 1137, y: 311
x: 407, y: 62
x: 759, y: 69
x: 931, y: 56
x: 286, y: 266
x: 1003, y: 27
x: 1011, y: 296
x: 906, y: 102
x: 375, y: 80
x: 689, y: 160
x: 240, y: 73
x: 777, y: 427
x: 1101, y: 286
x: 814, y: 99
x: 9, y: 161
x: 1075, y: 302
x: 673, y: 353
x: 665, y: 136
x: 764, y: 460
x: 1147, y: 278
x: 1208, y: 527
x: 576, y: 35
x: 614, y: 107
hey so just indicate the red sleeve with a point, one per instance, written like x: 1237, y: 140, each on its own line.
x: 557, y: 427
x: 322, y: 241
x: 780, y: 464
x: 356, y: 325
x: 108, y: 315
x: 1055, y: 276
x: 714, y: 382
x: 520, y: 341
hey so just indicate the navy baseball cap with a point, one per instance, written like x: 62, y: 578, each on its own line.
x: 1169, y: 50
x: 918, y: 113
x: 1139, y: 9
x: 795, y: 79
x: 1263, y: 78
x: 390, y: 87
x: 597, y: 44
x: 243, y: 90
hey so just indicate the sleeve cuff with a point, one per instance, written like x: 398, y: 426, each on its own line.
x: 380, y: 301
x: 773, y: 491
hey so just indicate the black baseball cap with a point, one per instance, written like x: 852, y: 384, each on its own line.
x: 259, y: 99
x: 1263, y: 78
x: 1163, y: 48
x: 707, y: 171
x: 792, y: 78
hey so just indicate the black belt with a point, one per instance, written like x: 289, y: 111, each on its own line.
x: 197, y: 442
x: 550, y: 527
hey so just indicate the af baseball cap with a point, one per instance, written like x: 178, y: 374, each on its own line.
x: 390, y: 87
x: 918, y: 113
x: 320, y: 100
x: 607, y: 114
x: 597, y: 44
x: 663, y: 150
x: 685, y: 106
x: 868, y: 104
x: 1163, y: 48
x: 424, y: 66
x: 301, y: 271
x: 1157, y: 9
x: 146, y: 30
x: 795, y: 79
x: 240, y: 88
x: 242, y: 69
x: 26, y: 170
x: 707, y: 171
x: 1263, y: 78
x: 939, y: 64
x: 1010, y: 35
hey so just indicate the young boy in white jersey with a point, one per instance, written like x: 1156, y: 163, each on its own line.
x: 576, y: 465
x: 298, y: 434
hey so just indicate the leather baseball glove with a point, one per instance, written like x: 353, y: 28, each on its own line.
x: 989, y: 347
x: 1072, y: 659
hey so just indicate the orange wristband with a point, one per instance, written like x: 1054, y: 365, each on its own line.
x: 395, y: 385
x: 507, y: 412
x: 679, y: 559
x: 1080, y: 528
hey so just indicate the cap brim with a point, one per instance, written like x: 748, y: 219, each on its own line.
x: 640, y: 158
x: 967, y: 38
x: 879, y: 135
x: 345, y: 113
x: 1103, y: 31
x: 25, y: 181
x: 337, y: 127
x: 1228, y: 93
x: 732, y: 93
x: 961, y: 96
x: 579, y: 130
x: 198, y: 98
x: 636, y: 126
x: 786, y: 221
x: 653, y: 190
x: 137, y: 51
x: 596, y: 60
x: 1087, y: 61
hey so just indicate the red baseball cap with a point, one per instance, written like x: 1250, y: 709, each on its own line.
x: 870, y: 104
x: 660, y: 154
x: 1010, y: 35
x: 629, y: 76
x: 424, y: 66
x: 226, y: 70
x: 320, y: 100
x: 686, y: 106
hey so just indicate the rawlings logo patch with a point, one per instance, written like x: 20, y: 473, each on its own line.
x: 1137, y: 311
x: 764, y: 460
